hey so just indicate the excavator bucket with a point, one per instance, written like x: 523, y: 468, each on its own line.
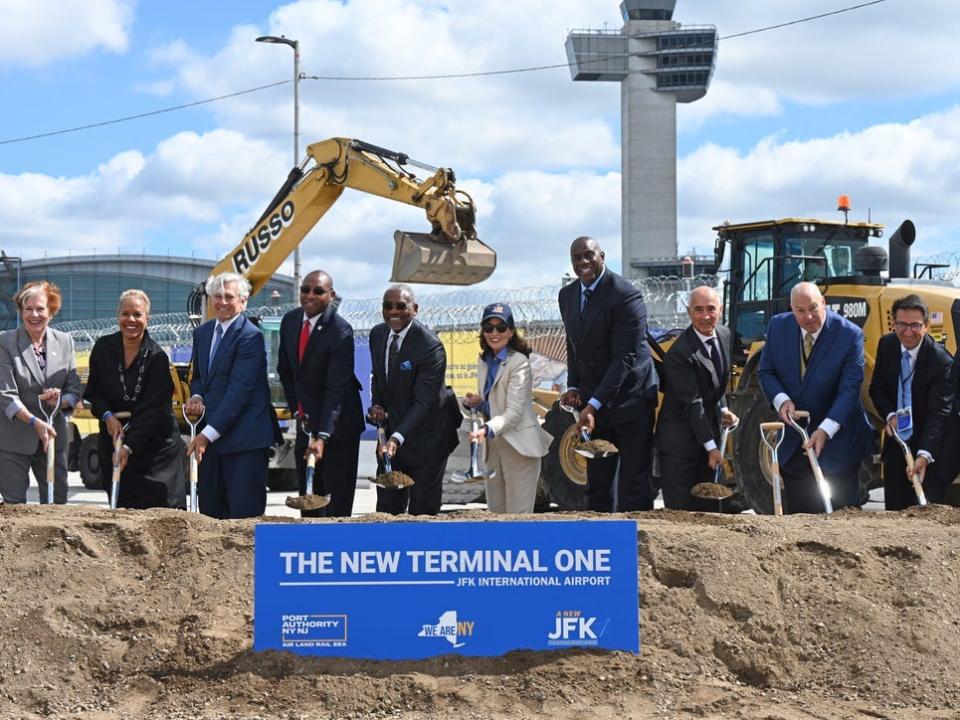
x: 421, y: 258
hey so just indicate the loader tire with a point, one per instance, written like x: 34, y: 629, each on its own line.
x: 89, y: 463
x: 564, y: 472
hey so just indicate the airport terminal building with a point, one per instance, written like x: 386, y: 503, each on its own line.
x: 91, y: 284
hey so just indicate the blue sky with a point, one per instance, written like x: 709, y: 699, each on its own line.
x: 865, y: 103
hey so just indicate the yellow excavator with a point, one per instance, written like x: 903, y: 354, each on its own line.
x: 450, y: 254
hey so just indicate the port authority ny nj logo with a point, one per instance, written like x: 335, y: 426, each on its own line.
x: 449, y: 628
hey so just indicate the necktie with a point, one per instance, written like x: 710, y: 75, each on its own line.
x: 392, y: 353
x: 807, y: 349
x: 904, y: 394
x: 716, y: 359
x: 215, y: 345
x: 304, y: 339
x: 301, y: 349
x: 584, y: 299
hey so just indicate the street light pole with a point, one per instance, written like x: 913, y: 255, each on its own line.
x: 281, y: 40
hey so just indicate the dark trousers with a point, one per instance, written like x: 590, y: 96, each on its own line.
x: 802, y: 494
x: 898, y: 491
x: 634, y: 440
x: 334, y: 475
x: 233, y: 485
x: 424, y: 496
x: 678, y: 475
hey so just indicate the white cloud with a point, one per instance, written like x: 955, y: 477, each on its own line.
x: 38, y: 32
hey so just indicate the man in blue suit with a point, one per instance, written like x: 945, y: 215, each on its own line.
x: 813, y: 361
x: 610, y: 375
x: 230, y: 386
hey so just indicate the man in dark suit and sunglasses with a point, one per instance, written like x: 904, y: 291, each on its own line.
x: 409, y: 399
x: 315, y: 366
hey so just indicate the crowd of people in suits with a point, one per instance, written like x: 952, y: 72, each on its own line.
x: 813, y: 360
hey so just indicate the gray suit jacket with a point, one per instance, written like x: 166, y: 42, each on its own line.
x: 22, y: 380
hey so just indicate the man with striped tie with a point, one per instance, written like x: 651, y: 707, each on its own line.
x: 230, y: 387
x: 813, y: 361
x: 910, y: 389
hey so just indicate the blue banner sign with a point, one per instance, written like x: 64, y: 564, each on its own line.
x: 404, y: 590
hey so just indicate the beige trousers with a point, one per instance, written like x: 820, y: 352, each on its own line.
x: 514, y: 488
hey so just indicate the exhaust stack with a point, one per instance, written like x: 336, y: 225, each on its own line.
x: 900, y: 243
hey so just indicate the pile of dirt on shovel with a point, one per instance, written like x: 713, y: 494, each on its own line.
x: 149, y: 615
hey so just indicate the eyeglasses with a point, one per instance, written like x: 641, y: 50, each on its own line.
x: 318, y: 291
x: 915, y: 326
x: 489, y: 327
x: 401, y: 306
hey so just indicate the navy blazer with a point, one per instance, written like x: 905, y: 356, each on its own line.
x: 607, y: 353
x: 324, y: 383
x: 692, y: 394
x: 829, y: 389
x: 415, y: 396
x: 235, y: 392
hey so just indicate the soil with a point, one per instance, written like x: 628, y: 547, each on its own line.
x: 149, y: 615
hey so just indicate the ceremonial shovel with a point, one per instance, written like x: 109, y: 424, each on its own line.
x: 589, y: 448
x: 716, y: 490
x: 390, y: 479
x: 309, y: 501
x: 193, y: 505
x: 772, y: 435
x: 51, y: 447
x: 117, y: 446
x: 477, y: 472
x: 912, y: 474
x: 812, y: 457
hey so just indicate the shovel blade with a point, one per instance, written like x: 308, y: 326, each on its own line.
x: 307, y: 502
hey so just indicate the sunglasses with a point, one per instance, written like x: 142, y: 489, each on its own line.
x: 318, y: 291
x: 489, y: 327
x: 401, y: 306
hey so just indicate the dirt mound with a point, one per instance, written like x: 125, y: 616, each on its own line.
x: 149, y: 615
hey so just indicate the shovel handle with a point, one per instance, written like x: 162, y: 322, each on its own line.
x: 51, y: 468
x: 777, y: 496
x: 821, y: 480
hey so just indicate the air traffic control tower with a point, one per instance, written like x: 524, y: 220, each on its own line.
x: 658, y: 63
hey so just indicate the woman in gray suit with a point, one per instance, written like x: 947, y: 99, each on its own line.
x: 37, y: 366
x: 515, y: 441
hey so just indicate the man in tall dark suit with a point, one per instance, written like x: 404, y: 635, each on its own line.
x: 230, y: 386
x: 693, y: 378
x: 409, y: 398
x: 315, y: 366
x: 813, y: 361
x: 610, y: 376
x: 911, y: 386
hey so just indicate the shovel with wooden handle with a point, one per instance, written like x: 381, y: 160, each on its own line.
x: 772, y: 435
x: 822, y: 485
x: 117, y: 446
x: 477, y: 471
x: 589, y: 448
x: 51, y: 447
x: 308, y: 501
x: 194, y: 466
x: 912, y: 473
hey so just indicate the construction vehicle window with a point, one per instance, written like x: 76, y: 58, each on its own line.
x: 758, y: 268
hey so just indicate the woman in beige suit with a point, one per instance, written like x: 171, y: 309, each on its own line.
x: 37, y: 367
x: 513, y: 436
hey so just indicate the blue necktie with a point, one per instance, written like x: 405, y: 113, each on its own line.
x: 584, y: 299
x: 215, y: 345
x: 904, y: 392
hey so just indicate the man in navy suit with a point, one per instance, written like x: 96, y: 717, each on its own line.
x: 610, y: 376
x: 410, y: 400
x: 315, y: 366
x: 230, y: 386
x: 813, y: 361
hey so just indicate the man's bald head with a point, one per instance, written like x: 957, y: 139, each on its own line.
x: 587, y: 259
x: 808, y: 306
x: 704, y: 309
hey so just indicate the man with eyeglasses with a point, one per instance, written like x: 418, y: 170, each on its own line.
x: 409, y: 399
x: 230, y: 388
x: 610, y: 377
x: 813, y: 361
x: 315, y: 365
x: 911, y: 390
